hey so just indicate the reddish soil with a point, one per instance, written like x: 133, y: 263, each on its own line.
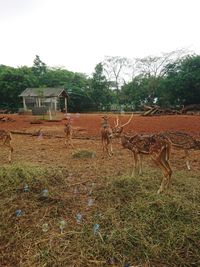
x: 52, y: 151
x: 88, y: 125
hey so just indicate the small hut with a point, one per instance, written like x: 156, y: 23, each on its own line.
x: 53, y: 99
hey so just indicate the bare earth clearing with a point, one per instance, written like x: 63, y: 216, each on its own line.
x: 52, y: 151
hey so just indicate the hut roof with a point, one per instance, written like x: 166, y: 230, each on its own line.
x: 44, y: 92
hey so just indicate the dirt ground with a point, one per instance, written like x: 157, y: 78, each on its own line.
x: 88, y: 125
x: 52, y: 151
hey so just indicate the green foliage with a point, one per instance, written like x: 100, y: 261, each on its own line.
x: 81, y: 154
x: 78, y: 89
x: 159, y: 80
x: 182, y: 82
x: 12, y: 82
x: 100, y: 92
x: 39, y: 67
x: 136, y: 92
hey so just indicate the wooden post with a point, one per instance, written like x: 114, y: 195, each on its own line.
x: 39, y: 102
x: 50, y: 116
x: 24, y: 103
x: 55, y: 102
x: 66, y: 105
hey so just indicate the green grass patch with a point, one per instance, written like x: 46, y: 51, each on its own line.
x: 81, y: 154
x: 137, y: 226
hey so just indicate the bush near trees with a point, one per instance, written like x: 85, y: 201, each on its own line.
x: 169, y: 80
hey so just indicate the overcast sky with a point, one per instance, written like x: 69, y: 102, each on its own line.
x: 78, y: 34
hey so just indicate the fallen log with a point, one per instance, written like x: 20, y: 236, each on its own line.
x: 38, y: 133
x: 149, y: 112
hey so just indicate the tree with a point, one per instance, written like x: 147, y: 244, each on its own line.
x: 78, y: 90
x: 100, y: 92
x: 114, y: 67
x: 135, y: 93
x: 154, y: 68
x: 39, y: 69
x: 12, y: 82
x: 182, y: 81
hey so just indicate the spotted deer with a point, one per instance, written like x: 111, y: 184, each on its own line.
x: 6, y: 139
x: 182, y: 141
x: 157, y: 147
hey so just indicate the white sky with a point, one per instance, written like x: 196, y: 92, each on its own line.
x: 77, y: 34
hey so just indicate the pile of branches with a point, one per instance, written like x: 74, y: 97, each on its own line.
x: 3, y: 111
x: 157, y: 110
x: 190, y: 108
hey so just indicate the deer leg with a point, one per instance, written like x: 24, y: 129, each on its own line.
x: 10, y: 154
x: 70, y: 140
x: 165, y: 180
x: 103, y: 146
x: 164, y: 156
x: 135, y: 159
x: 168, y: 167
x: 66, y: 140
x: 107, y: 147
x: 165, y: 171
x: 10, y: 151
x: 187, y: 159
x: 111, y: 148
x: 140, y: 156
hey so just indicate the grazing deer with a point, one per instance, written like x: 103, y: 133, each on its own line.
x: 5, y: 138
x: 68, y: 133
x: 108, y: 133
x: 157, y: 147
x: 184, y: 141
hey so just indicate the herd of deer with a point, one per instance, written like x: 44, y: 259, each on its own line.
x: 157, y: 146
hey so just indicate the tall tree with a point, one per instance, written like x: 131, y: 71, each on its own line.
x: 153, y: 68
x: 39, y: 69
x: 114, y: 68
x: 100, y: 92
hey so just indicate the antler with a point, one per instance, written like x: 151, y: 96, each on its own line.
x: 117, y: 121
x: 127, y: 121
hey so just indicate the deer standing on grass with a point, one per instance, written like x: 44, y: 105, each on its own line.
x: 157, y: 147
x: 182, y: 141
x: 68, y: 133
x: 5, y: 139
x: 108, y: 133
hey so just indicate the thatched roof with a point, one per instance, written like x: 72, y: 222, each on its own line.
x: 44, y: 92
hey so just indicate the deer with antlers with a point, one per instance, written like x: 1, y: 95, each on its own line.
x: 157, y: 147
x: 108, y: 133
x: 6, y: 138
x: 68, y: 133
x: 182, y: 141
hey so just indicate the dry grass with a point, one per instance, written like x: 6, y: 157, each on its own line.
x: 137, y: 226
